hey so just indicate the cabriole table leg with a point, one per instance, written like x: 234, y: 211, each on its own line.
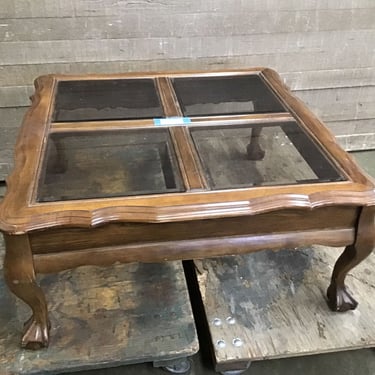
x: 339, y: 298
x: 20, y: 277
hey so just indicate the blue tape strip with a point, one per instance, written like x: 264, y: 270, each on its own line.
x: 172, y: 121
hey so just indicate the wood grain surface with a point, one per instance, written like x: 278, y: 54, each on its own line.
x: 274, y: 303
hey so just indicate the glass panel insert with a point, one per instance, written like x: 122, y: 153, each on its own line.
x: 115, y: 99
x: 83, y: 165
x: 260, y: 155
x: 232, y: 95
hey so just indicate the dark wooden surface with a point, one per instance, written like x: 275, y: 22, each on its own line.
x: 274, y: 302
x: 103, y: 317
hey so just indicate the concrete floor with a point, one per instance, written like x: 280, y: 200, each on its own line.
x: 361, y: 362
x: 358, y: 362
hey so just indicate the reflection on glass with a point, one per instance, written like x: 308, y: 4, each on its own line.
x: 260, y: 155
x: 100, y: 164
x: 203, y: 96
x: 114, y: 99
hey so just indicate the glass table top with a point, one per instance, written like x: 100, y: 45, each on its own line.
x: 115, y: 99
x: 204, y: 96
x: 260, y: 155
x: 128, y: 162
x: 83, y: 165
x: 161, y: 156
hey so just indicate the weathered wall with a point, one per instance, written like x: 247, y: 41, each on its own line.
x: 324, y: 49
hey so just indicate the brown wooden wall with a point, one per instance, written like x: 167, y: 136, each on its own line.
x: 324, y: 49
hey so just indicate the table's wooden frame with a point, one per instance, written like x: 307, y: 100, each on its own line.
x: 48, y: 237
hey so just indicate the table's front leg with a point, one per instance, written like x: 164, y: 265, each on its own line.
x: 20, y: 277
x: 339, y: 298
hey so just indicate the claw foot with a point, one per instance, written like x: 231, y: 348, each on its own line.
x: 36, y: 335
x: 254, y: 152
x: 339, y: 299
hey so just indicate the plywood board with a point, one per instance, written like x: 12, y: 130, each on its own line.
x: 272, y: 305
x: 16, y: 96
x: 357, y: 142
x: 61, y: 8
x: 329, y: 78
x: 60, y: 51
x: 183, y: 24
x: 103, y: 317
x: 351, y: 103
x: 11, y: 117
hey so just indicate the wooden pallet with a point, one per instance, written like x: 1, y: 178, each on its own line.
x: 103, y: 317
x: 270, y: 305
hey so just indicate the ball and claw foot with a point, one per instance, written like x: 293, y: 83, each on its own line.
x: 35, y: 335
x: 339, y: 299
x: 254, y: 152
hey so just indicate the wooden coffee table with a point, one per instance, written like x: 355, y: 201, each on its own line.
x: 167, y: 166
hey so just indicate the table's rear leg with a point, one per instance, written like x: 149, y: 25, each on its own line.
x: 339, y: 298
x: 20, y: 278
x: 254, y: 150
x: 59, y: 163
